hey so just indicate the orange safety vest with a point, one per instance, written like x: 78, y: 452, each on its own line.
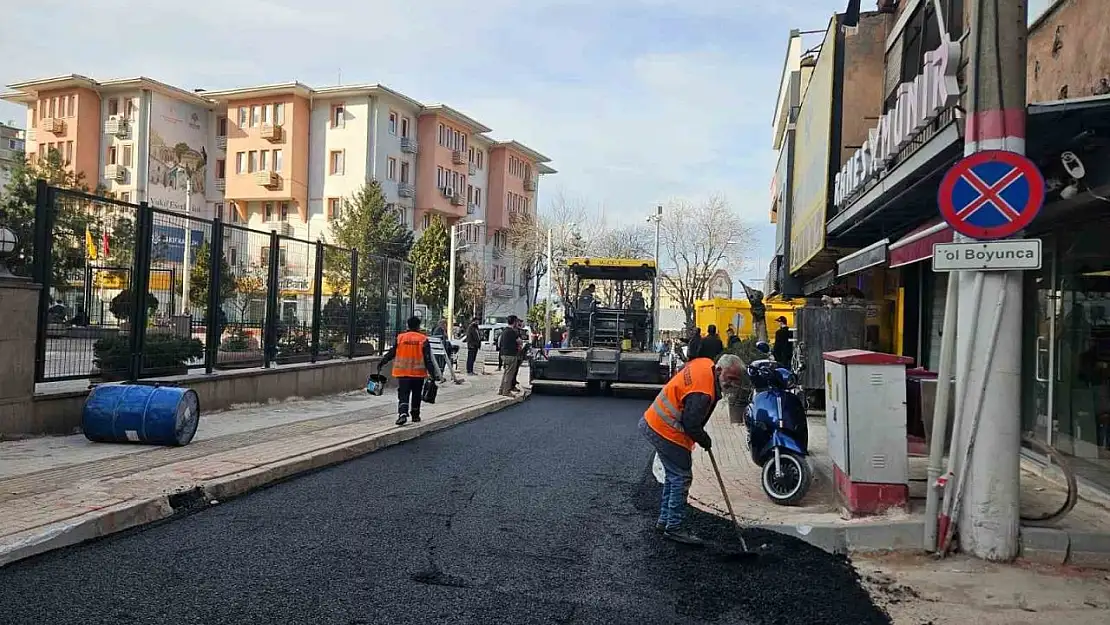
x: 409, y: 361
x: 665, y: 413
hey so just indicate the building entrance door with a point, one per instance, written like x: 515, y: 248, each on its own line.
x: 1069, y: 406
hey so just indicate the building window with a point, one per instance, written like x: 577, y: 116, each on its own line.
x: 127, y: 155
x: 128, y: 108
x: 391, y: 168
x: 252, y: 161
x: 268, y: 215
x: 221, y: 126
x: 405, y: 172
x: 278, y: 162
x: 256, y: 115
x: 470, y: 155
x: 264, y: 160
x: 335, y: 208
x: 242, y: 117
x: 221, y: 169
x: 480, y: 154
x: 285, y: 211
x: 234, y: 212
x: 113, y: 106
x: 239, y: 161
x: 405, y: 127
x: 392, y: 123
x: 427, y: 221
x: 279, y: 113
x: 112, y: 160
x: 477, y: 196
x: 265, y: 113
x: 441, y: 133
x: 338, y: 116
x: 69, y: 152
x: 470, y: 193
x: 336, y: 162
x: 125, y: 197
x: 439, y: 178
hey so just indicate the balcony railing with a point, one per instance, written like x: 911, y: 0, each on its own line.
x: 405, y: 189
x: 266, y: 178
x: 409, y: 145
x: 53, y: 124
x: 457, y: 200
x: 473, y: 169
x: 471, y: 208
x: 457, y: 157
x: 221, y: 143
x: 117, y: 126
x: 529, y: 184
x: 115, y: 172
x: 271, y: 132
x: 221, y: 183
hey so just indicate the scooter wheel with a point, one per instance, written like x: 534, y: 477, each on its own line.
x: 789, y: 488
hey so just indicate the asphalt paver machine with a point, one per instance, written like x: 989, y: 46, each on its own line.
x: 609, y: 328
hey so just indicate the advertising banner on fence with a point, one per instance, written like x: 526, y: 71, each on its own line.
x: 178, y: 132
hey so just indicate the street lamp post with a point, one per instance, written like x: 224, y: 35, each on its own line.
x: 451, y: 276
x: 658, y: 219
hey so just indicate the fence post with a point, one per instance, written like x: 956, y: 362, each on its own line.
x: 352, y: 307
x: 213, y: 330
x: 42, y: 268
x: 140, y: 286
x: 269, y: 333
x: 317, y: 299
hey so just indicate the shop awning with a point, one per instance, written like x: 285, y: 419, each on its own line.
x: 820, y: 283
x: 918, y: 245
x: 870, y: 256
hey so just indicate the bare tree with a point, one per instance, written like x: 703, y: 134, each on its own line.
x: 566, y: 218
x: 696, y: 240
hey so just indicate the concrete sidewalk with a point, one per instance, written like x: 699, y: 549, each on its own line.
x: 1081, y: 538
x: 60, y: 491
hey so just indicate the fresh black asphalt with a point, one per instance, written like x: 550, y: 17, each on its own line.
x: 541, y: 513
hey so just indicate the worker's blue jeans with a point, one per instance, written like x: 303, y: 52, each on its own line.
x: 677, y: 466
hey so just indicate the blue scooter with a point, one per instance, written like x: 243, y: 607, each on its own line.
x: 778, y: 434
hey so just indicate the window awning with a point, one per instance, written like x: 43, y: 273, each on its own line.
x: 870, y: 256
x: 918, y: 245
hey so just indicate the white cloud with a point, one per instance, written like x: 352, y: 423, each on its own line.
x: 636, y: 101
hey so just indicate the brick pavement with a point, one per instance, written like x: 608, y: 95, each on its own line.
x: 51, y: 491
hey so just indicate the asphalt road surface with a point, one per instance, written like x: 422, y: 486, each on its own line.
x: 541, y: 513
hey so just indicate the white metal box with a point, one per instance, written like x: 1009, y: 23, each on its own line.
x: 865, y: 412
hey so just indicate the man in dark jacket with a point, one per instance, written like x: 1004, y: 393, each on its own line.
x: 510, y: 355
x: 711, y: 345
x: 783, y: 351
x: 473, y: 345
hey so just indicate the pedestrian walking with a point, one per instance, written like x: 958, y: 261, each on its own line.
x: 510, y: 354
x: 414, y: 364
x: 473, y: 345
x: 675, y: 421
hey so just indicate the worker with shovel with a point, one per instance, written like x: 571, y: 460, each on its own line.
x: 676, y: 421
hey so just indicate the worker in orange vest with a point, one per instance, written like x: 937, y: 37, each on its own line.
x: 413, y: 365
x: 675, y: 421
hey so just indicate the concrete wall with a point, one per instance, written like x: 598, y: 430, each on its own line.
x: 60, y: 413
x: 19, y: 301
x: 1080, y: 34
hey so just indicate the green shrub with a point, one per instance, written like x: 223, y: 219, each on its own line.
x: 112, y: 355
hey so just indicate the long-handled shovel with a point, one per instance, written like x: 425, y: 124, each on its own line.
x: 745, y: 553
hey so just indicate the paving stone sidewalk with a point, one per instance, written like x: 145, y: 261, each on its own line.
x: 62, y: 490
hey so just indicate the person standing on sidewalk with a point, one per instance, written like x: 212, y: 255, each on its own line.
x: 510, y: 355
x: 675, y: 421
x: 414, y: 364
x: 473, y: 345
x: 711, y: 345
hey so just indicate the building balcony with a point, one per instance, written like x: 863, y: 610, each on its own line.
x: 268, y: 179
x: 117, y: 126
x: 270, y: 132
x: 285, y: 229
x: 53, y: 125
x: 115, y: 173
x: 498, y: 252
x: 501, y: 291
x: 458, y: 200
x: 471, y: 208
x: 221, y: 143
x: 409, y: 145
x: 458, y: 158
x: 405, y: 189
x: 529, y: 184
x: 221, y: 183
x: 473, y: 169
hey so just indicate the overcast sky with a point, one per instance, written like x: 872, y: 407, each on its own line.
x: 636, y: 101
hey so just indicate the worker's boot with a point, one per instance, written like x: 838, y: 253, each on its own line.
x: 403, y: 418
x: 682, y: 535
x: 415, y: 418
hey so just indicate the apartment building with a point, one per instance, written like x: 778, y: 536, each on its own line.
x: 284, y: 156
x: 11, y: 151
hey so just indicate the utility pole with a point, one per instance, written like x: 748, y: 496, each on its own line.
x: 547, y: 302
x: 988, y: 521
x: 186, y: 254
x: 658, y: 219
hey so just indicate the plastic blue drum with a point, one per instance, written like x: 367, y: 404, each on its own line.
x: 136, y: 413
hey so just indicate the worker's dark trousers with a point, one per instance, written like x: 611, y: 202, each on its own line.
x: 678, y: 467
x: 408, y: 396
x: 471, y: 356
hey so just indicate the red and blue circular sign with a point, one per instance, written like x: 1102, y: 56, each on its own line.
x: 991, y: 195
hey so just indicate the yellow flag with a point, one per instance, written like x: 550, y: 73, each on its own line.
x: 90, y: 247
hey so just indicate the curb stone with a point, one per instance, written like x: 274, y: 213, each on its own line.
x: 138, y: 512
x: 899, y: 536
x: 1044, y: 545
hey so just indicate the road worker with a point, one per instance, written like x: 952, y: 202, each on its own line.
x: 675, y: 421
x: 414, y: 364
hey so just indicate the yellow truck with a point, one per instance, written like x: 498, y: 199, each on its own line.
x: 737, y: 314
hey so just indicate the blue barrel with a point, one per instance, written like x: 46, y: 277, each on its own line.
x: 137, y: 413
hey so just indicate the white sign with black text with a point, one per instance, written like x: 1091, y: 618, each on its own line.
x: 1005, y: 255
